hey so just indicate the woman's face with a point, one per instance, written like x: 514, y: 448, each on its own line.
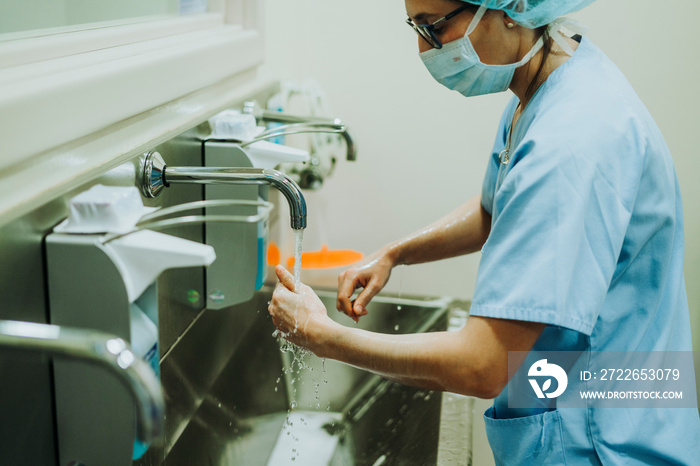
x: 491, y: 38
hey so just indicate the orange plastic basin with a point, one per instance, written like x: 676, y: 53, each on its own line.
x: 326, y: 258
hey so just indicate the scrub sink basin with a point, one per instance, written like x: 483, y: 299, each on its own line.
x: 265, y: 408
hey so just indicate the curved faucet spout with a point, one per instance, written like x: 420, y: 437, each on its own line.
x: 98, y: 348
x: 206, y: 175
x: 331, y: 126
x: 294, y: 124
x: 157, y: 175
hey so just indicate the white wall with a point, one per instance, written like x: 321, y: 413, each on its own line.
x: 423, y: 149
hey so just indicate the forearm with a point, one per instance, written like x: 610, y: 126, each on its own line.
x: 462, y: 231
x: 446, y: 361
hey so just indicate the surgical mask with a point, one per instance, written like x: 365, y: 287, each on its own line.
x: 458, y: 67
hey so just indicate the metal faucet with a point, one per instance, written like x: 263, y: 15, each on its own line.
x: 157, y: 175
x: 294, y: 124
x: 98, y: 348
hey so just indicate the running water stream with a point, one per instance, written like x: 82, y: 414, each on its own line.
x: 298, y: 240
x: 295, y: 361
x: 293, y: 356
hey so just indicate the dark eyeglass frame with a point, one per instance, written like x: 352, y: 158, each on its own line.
x: 427, y: 31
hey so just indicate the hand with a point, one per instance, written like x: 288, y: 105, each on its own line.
x: 298, y: 314
x: 372, y: 274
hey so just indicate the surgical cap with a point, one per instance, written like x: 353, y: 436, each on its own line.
x: 533, y: 13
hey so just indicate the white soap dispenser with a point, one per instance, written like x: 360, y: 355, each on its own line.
x: 242, y: 265
x: 108, y: 284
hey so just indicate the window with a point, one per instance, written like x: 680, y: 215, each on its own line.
x: 25, y: 18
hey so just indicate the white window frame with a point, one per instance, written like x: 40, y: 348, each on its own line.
x: 64, y: 94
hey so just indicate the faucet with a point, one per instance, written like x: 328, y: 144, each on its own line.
x: 157, y: 175
x: 98, y: 348
x: 294, y: 124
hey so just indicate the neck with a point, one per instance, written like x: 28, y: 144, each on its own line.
x: 527, y: 75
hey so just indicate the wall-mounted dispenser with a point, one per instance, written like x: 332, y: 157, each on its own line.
x: 102, y: 275
x: 230, y: 281
x: 240, y: 247
x: 237, y: 141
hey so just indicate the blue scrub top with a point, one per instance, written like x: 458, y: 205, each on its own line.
x: 587, y: 236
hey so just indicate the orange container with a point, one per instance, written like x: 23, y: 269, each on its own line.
x: 326, y: 258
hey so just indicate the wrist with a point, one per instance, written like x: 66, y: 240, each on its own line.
x: 393, y: 253
x: 322, y: 335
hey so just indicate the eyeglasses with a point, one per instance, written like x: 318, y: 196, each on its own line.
x: 427, y: 31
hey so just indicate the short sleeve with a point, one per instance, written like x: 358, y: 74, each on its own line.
x: 559, y: 219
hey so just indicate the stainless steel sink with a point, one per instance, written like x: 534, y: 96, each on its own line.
x: 340, y: 416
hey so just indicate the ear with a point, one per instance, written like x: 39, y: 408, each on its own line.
x: 508, y: 21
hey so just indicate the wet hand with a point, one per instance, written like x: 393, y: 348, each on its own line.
x: 299, y: 315
x: 371, y: 274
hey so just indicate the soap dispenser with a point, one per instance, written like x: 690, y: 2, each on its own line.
x: 242, y: 265
x: 105, y: 279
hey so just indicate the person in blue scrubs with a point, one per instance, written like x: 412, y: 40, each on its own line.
x: 580, y: 226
